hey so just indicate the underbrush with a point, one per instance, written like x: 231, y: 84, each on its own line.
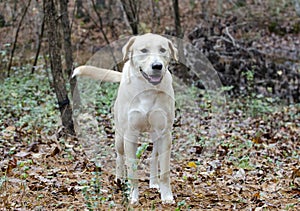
x: 28, y: 102
x: 257, y: 145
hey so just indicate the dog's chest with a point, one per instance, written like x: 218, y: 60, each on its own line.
x: 148, y: 100
x: 147, y: 109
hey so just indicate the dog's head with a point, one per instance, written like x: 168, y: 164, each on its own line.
x: 150, y: 54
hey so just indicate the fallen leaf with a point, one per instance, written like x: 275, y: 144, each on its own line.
x: 192, y: 164
x: 54, y: 151
x: 10, y: 128
x: 256, y: 196
x: 240, y: 174
x: 11, y: 165
x: 22, y: 154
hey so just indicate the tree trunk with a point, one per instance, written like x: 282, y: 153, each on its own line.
x: 79, y: 11
x: 178, y: 29
x: 16, y: 38
x: 40, y: 40
x: 131, y: 8
x: 68, y: 51
x: 56, y: 66
x: 2, y: 21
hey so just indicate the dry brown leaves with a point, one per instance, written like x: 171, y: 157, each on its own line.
x: 253, y: 166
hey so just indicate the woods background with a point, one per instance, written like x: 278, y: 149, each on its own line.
x: 254, y: 46
x: 236, y: 36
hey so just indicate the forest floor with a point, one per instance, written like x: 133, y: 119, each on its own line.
x: 252, y: 163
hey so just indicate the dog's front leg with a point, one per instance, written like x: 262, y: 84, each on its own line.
x: 154, y: 163
x: 162, y: 140
x: 130, y: 146
x: 164, y: 155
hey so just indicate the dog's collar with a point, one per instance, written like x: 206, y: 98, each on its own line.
x: 153, y: 79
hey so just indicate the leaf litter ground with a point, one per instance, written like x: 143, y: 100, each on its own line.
x: 252, y: 164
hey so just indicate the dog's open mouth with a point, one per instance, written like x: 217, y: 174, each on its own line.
x: 153, y: 79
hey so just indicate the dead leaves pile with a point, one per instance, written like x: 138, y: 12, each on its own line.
x: 253, y: 166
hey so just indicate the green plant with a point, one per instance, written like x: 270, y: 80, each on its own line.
x: 244, y: 163
x: 125, y: 186
x: 141, y: 149
x: 91, y: 191
x: 106, y: 95
x: 27, y: 103
x: 289, y: 206
x: 182, y: 206
x: 256, y: 104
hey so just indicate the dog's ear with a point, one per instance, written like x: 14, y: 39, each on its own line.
x: 127, y: 48
x: 174, y: 51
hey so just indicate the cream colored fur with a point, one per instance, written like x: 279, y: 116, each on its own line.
x: 97, y: 73
x: 145, y: 103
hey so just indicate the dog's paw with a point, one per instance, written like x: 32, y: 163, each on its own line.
x: 166, y: 195
x: 154, y: 185
x: 134, y: 196
x: 168, y: 200
x: 134, y: 201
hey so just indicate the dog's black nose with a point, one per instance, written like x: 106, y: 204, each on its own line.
x: 157, y: 66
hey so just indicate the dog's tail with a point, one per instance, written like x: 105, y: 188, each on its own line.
x: 97, y: 73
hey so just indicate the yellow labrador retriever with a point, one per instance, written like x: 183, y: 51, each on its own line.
x: 145, y: 103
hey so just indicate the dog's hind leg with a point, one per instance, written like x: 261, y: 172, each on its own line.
x: 120, y: 163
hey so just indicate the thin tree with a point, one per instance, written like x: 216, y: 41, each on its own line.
x: 101, y: 28
x: 178, y: 28
x: 79, y: 11
x: 131, y: 8
x: 66, y: 27
x: 40, y: 41
x: 56, y: 66
x: 16, y: 38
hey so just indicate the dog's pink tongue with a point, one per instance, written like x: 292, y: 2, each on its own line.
x: 155, y: 78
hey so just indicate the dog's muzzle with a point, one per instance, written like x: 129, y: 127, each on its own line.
x: 154, y: 79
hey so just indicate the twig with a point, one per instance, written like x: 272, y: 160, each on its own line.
x: 229, y: 35
x: 40, y: 42
x: 104, y: 34
x: 131, y: 9
x: 16, y: 38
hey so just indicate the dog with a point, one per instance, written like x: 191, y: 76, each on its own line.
x: 145, y: 103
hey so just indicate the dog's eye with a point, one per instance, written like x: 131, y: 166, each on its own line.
x: 144, y: 50
x: 162, y: 50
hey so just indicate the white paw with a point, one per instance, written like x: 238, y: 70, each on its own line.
x: 169, y: 201
x: 154, y: 185
x: 166, y: 195
x: 134, y: 196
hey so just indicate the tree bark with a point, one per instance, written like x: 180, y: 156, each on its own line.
x: 56, y: 66
x: 79, y: 11
x: 40, y: 41
x: 66, y: 27
x: 131, y: 8
x: 103, y: 32
x: 177, y: 19
x: 16, y: 38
